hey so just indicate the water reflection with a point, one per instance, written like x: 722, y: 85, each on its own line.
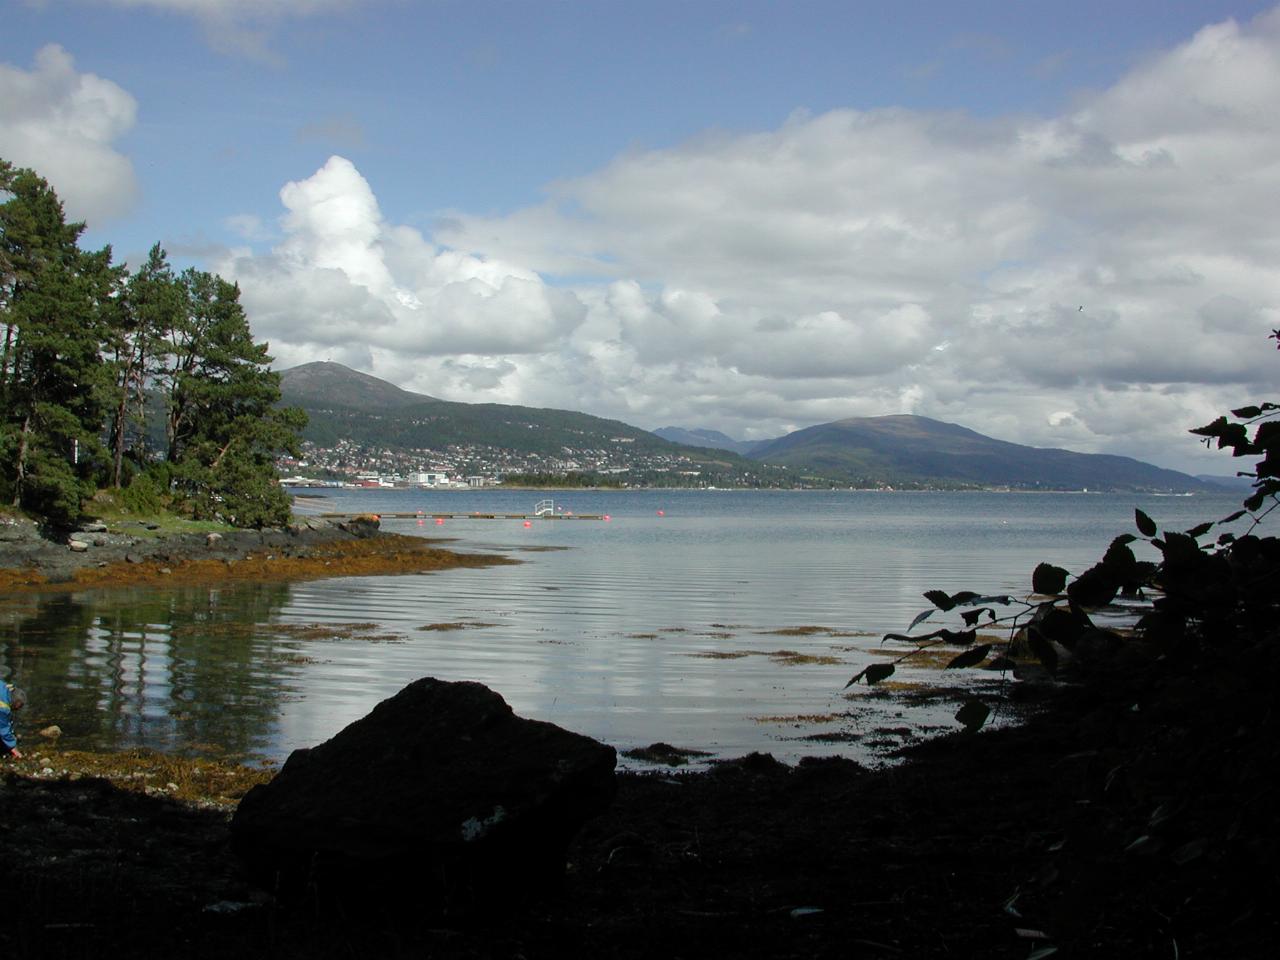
x: 186, y: 669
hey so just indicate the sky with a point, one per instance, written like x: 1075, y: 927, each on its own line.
x: 1057, y: 224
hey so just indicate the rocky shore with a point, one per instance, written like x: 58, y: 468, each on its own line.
x: 1096, y: 830
x: 137, y: 552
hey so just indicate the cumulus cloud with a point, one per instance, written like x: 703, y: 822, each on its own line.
x: 63, y: 124
x: 1102, y: 279
x: 342, y: 275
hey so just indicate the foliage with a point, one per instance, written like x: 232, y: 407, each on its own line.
x: 52, y: 301
x: 88, y: 350
x: 1205, y: 594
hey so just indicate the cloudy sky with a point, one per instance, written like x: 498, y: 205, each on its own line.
x: 1057, y: 224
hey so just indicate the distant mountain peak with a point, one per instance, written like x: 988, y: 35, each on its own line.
x: 702, y: 437
x: 325, y: 383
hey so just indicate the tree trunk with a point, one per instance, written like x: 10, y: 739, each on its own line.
x: 20, y: 473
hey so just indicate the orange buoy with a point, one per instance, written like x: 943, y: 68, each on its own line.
x: 528, y: 523
x: 607, y: 517
x: 662, y: 513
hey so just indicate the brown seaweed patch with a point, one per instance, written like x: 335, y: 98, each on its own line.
x: 458, y: 625
x: 799, y: 718
x: 806, y: 631
x: 720, y: 654
x: 792, y: 658
x: 665, y: 753
x: 203, y: 782
x: 836, y: 736
x: 717, y: 635
x: 364, y: 632
x: 642, y: 636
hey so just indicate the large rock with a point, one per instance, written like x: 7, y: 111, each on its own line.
x: 441, y: 797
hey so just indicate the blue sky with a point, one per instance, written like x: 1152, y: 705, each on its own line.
x: 749, y: 216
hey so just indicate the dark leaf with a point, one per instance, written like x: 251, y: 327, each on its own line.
x: 973, y: 715
x: 939, y: 599
x: 920, y: 618
x: 1096, y: 587
x: 961, y: 639
x: 969, y: 658
x: 1233, y: 517
x: 1255, y: 501
x: 879, y: 671
x: 1146, y: 526
x: 1247, y: 413
x: 1214, y: 429
x: 964, y: 598
x: 1199, y: 530
x: 1120, y: 561
x: 1124, y: 538
x: 1002, y: 663
x: 1225, y: 538
x: 1048, y: 580
x: 1179, y: 549
x: 971, y: 617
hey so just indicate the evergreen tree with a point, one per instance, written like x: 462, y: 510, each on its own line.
x: 151, y: 302
x: 50, y: 370
x: 222, y: 426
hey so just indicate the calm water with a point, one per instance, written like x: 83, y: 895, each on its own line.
x: 676, y: 620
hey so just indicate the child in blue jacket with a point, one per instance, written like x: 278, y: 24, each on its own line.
x: 11, y: 701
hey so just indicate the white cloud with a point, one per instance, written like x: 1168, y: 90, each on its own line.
x: 1103, y: 279
x: 342, y: 275
x: 63, y: 124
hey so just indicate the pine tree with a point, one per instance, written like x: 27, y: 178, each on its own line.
x: 50, y: 369
x: 222, y: 424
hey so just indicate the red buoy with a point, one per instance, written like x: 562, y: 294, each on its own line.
x: 528, y: 523
x: 439, y: 521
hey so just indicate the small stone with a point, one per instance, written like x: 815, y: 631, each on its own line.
x: 99, y: 541
x: 166, y: 571
x: 213, y: 539
x: 53, y: 731
x: 77, y: 546
x: 132, y: 558
x: 93, y: 528
x: 171, y: 787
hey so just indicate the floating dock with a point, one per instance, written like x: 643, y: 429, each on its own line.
x: 462, y: 516
x: 545, y: 510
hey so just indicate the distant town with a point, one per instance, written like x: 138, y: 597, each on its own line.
x: 469, y: 466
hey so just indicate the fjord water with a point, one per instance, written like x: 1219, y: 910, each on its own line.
x: 723, y: 621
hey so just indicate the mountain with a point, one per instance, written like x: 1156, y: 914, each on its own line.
x: 1241, y: 484
x: 707, y: 438
x: 331, y: 384
x: 345, y: 406
x: 909, y: 448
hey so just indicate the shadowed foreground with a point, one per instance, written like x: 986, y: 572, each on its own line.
x: 1097, y: 828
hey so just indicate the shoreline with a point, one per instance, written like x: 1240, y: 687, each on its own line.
x: 307, y: 549
x: 988, y: 845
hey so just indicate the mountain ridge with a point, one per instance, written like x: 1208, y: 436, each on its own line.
x: 921, y: 448
x: 895, y: 450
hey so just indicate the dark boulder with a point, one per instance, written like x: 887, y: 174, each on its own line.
x: 441, y: 797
